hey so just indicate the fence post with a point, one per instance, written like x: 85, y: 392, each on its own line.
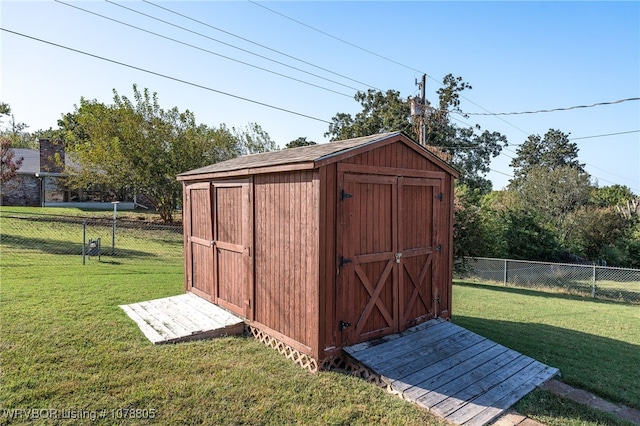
x: 84, y: 238
x: 506, y: 268
x: 113, y: 232
x: 593, y: 282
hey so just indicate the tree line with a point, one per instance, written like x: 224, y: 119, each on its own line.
x: 551, y: 210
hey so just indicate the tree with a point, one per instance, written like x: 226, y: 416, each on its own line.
x: 612, y: 196
x: 551, y: 152
x: 138, y: 145
x: 301, y: 141
x: 554, y: 194
x: 381, y: 112
x: 596, y: 229
x: 10, y: 165
x: 470, y: 148
x: 527, y: 238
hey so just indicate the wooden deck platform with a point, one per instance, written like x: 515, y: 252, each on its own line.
x: 180, y: 318
x: 452, y: 372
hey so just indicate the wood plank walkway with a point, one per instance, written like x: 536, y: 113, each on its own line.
x: 180, y: 318
x: 452, y: 372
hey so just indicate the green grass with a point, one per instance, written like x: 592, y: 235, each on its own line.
x: 66, y: 345
x: 595, y: 344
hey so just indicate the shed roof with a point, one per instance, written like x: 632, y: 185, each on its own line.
x: 310, y: 155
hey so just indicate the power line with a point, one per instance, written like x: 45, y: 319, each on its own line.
x: 379, y: 56
x: 260, y: 45
x: 333, y: 37
x: 555, y: 109
x: 167, y: 76
x: 204, y: 50
x: 606, y: 134
x: 231, y: 45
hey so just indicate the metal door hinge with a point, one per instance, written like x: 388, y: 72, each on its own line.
x: 439, y: 248
x: 342, y: 325
x: 343, y: 261
x: 440, y: 196
x: 437, y: 300
x: 344, y: 195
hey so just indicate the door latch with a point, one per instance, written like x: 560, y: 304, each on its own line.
x: 398, y: 256
x: 342, y: 325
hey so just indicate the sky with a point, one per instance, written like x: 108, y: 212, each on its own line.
x: 292, y: 66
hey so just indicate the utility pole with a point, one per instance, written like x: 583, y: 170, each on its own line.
x: 419, y: 111
x: 423, y: 121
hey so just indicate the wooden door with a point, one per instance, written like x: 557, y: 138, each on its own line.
x: 369, y: 296
x: 418, y: 203
x: 232, y: 236
x: 199, y: 240
x: 388, y: 246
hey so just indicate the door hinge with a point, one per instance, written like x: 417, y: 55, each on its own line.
x: 439, y: 196
x: 342, y: 325
x: 344, y: 195
x: 343, y: 261
x: 437, y: 300
x: 439, y: 248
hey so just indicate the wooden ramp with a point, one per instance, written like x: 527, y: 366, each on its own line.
x: 184, y: 317
x: 454, y: 373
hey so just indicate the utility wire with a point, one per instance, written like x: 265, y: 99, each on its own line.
x: 333, y: 37
x: 204, y: 50
x: 554, y: 109
x: 260, y: 45
x: 606, y: 134
x: 382, y: 57
x: 166, y: 76
x: 231, y: 45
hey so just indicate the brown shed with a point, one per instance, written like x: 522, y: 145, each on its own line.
x: 324, y: 246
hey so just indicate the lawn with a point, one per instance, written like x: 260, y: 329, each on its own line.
x: 595, y: 344
x: 65, y: 345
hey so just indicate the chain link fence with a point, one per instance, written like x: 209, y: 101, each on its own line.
x: 598, y: 282
x: 55, y: 240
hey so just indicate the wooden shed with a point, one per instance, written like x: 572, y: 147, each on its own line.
x: 324, y: 246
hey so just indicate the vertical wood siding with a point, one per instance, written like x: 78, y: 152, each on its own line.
x: 200, y: 226
x: 287, y: 247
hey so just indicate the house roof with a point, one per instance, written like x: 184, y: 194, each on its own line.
x: 30, y: 160
x: 310, y: 155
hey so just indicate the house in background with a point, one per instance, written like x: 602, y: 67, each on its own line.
x: 41, y: 182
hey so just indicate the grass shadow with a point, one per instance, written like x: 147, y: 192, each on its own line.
x: 60, y: 247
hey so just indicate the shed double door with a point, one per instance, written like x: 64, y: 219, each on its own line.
x: 389, y: 242
x: 219, y: 241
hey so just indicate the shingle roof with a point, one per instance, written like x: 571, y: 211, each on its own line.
x: 302, y: 154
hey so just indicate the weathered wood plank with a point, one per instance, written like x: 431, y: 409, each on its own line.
x: 417, y: 373
x: 460, y: 365
x: 423, y: 355
x: 184, y: 317
x: 150, y: 332
x: 395, y: 348
x: 486, y: 378
x: 455, y: 386
x: 455, y: 374
x: 352, y: 350
x: 494, y: 409
x: 154, y: 319
x: 500, y: 394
